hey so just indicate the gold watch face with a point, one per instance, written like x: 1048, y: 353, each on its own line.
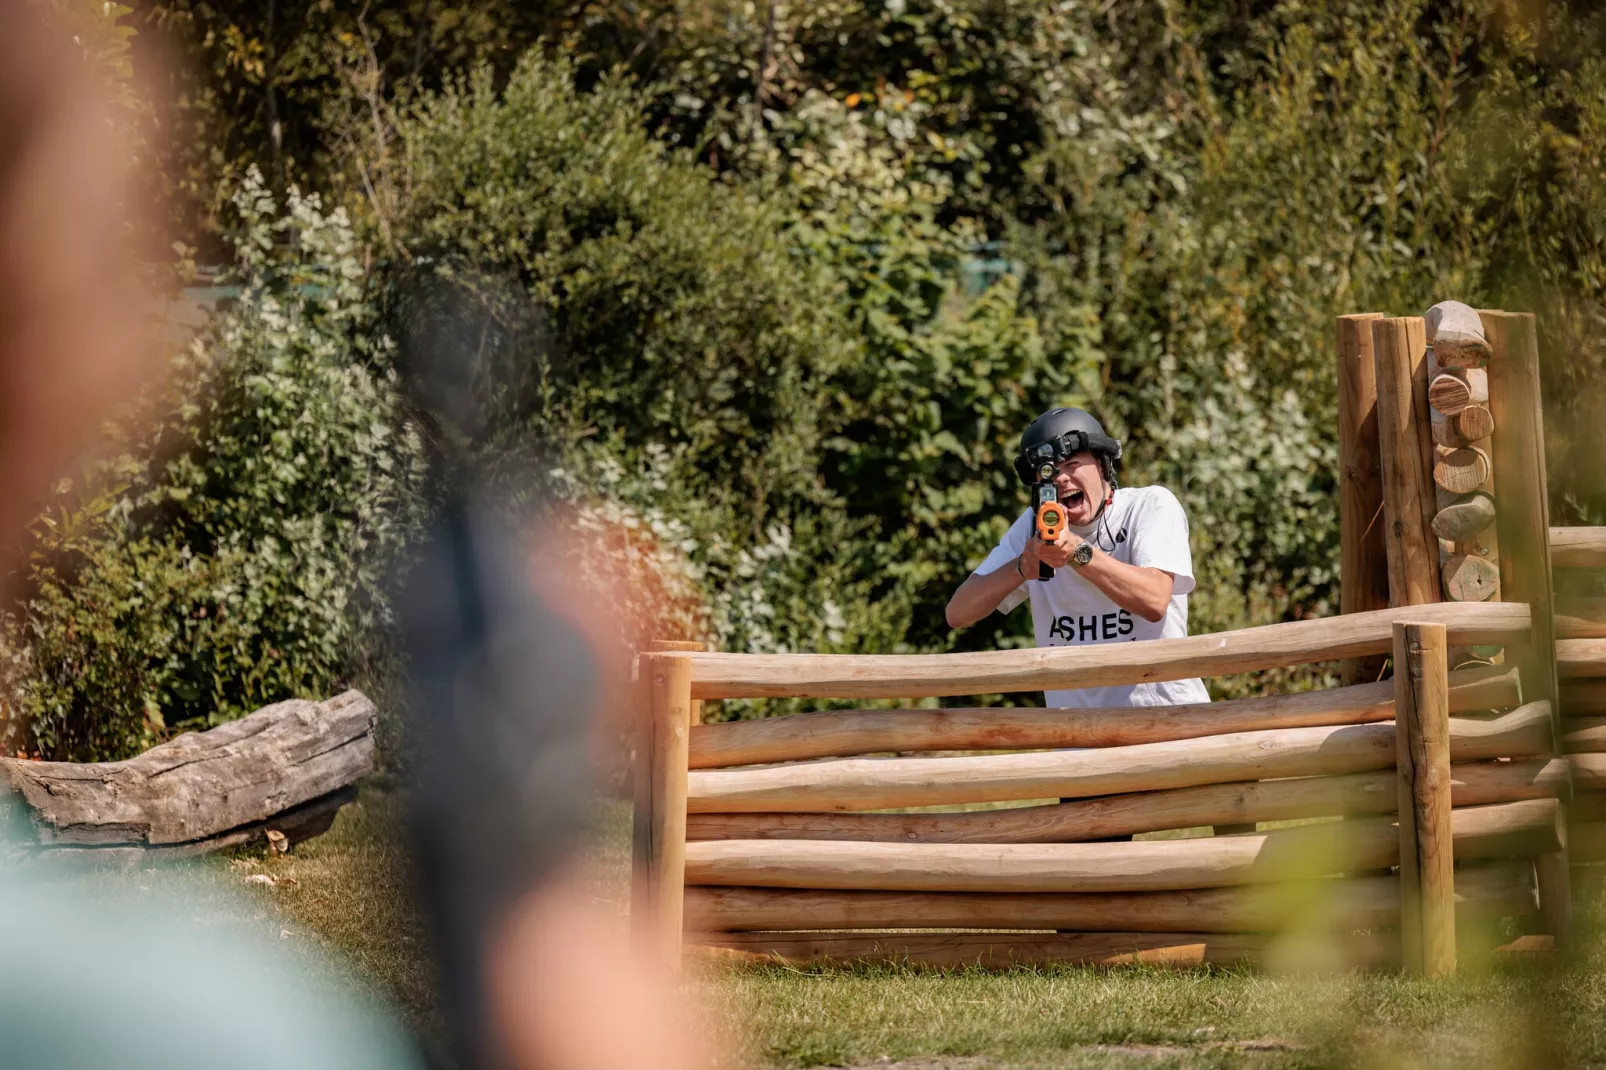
x: 1082, y: 554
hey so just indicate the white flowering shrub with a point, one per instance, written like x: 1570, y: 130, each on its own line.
x: 233, y: 548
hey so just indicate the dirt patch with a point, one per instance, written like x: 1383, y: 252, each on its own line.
x: 940, y: 1062
x: 1165, y: 1051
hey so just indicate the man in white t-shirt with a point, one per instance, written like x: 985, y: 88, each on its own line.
x: 1122, y: 567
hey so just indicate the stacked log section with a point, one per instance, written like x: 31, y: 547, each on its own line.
x: 880, y: 784
x: 843, y: 733
x: 1485, y: 891
x: 1505, y: 830
x: 1462, y: 424
x: 1353, y: 795
x: 1274, y: 646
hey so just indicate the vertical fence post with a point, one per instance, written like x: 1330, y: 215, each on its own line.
x: 1399, y: 348
x: 1363, y: 559
x: 1422, y: 741
x: 1523, y: 522
x: 659, y: 849
x: 684, y: 646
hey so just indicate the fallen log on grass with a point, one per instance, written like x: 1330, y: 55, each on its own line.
x: 285, y: 768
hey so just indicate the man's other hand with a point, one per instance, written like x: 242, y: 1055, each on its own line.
x: 1053, y: 554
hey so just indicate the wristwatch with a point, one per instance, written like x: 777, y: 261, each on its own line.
x: 1081, y: 555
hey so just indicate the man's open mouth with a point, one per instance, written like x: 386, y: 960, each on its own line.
x: 1072, y: 499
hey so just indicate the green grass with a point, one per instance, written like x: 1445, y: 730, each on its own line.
x: 348, y: 891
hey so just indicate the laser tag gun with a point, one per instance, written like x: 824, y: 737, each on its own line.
x: 1047, y: 513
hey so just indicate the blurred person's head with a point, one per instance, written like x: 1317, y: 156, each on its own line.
x: 74, y: 339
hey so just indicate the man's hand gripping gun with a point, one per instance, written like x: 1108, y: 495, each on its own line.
x: 1047, y: 512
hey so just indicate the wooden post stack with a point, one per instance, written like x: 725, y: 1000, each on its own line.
x: 787, y: 851
x: 1471, y: 400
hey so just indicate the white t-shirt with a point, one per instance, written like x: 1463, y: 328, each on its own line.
x: 1143, y: 526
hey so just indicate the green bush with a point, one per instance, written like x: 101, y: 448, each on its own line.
x: 235, y: 551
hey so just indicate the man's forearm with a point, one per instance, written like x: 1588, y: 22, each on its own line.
x: 1144, y: 591
x: 979, y: 595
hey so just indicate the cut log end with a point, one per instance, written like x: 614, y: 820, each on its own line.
x: 1474, y: 423
x: 1460, y: 470
x: 1468, y: 579
x: 1464, y: 518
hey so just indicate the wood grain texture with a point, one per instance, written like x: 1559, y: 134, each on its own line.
x: 1580, y: 618
x: 1581, y: 659
x: 1488, y: 890
x: 1589, y: 771
x: 1583, y: 698
x: 887, y: 783
x: 200, y: 784
x: 1405, y: 444
x: 295, y: 825
x: 1506, y: 830
x: 1452, y: 389
x: 1363, y: 560
x: 1464, y: 517
x: 1578, y: 547
x: 1105, y: 817
x: 1427, y: 868
x: 1474, y: 423
x: 1468, y: 578
x: 1460, y: 470
x: 1584, y: 735
x: 843, y: 733
x: 1523, y: 529
x: 667, y: 679
x: 721, y: 675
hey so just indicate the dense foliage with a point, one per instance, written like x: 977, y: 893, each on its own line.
x: 237, y: 550
x: 781, y: 283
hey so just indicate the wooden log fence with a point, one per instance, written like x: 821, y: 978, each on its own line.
x: 1431, y: 801
x: 778, y: 835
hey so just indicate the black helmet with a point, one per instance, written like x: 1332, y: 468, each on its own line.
x: 1057, y: 435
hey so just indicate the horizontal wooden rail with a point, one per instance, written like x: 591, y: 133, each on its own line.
x: 1491, y: 890
x: 999, y: 950
x: 1584, y: 735
x: 1357, y: 794
x: 1578, y: 659
x: 839, y: 733
x: 1583, y: 698
x: 890, y: 783
x: 1045, y: 668
x: 1578, y: 547
x: 1581, y: 618
x: 1589, y: 771
x: 1519, y: 829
